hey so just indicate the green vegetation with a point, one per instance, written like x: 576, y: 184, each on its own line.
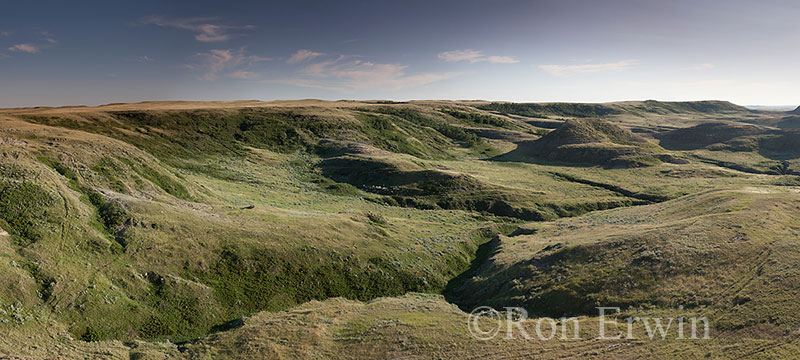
x: 163, y: 181
x: 683, y: 252
x: 593, y: 142
x: 60, y: 168
x: 269, y: 281
x: 702, y: 107
x: 706, y: 134
x: 111, y: 213
x: 554, y: 109
x: 26, y: 211
x: 453, y: 132
x: 384, y: 135
x: 744, y: 147
x: 479, y: 119
x: 333, y: 225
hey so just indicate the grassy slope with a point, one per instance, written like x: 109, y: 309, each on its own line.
x: 716, y: 132
x: 710, y: 250
x: 740, y: 146
x: 125, y: 223
x: 422, y: 326
x: 178, y: 240
x: 591, y: 142
x: 134, y: 219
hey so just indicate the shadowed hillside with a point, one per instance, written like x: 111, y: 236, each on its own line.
x: 739, y: 146
x: 789, y: 122
x: 702, y: 135
x: 591, y: 141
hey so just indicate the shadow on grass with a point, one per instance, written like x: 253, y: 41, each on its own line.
x: 453, y: 291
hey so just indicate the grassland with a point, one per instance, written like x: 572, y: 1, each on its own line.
x: 130, y: 228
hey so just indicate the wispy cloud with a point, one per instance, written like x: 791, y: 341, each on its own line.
x: 461, y: 55
x: 4, y: 33
x: 46, y: 42
x: 26, y: 48
x: 303, y: 55
x: 564, y: 70
x: 244, y: 75
x: 216, y: 61
x: 205, y: 29
x: 474, y: 56
x: 307, y: 83
x: 144, y: 59
x: 501, y: 60
x: 346, y: 73
x: 48, y: 38
x: 706, y: 66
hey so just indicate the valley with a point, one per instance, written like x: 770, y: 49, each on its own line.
x: 333, y: 229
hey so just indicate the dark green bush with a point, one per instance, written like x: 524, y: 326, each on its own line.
x: 59, y: 168
x: 90, y: 335
x: 26, y: 209
x: 111, y: 213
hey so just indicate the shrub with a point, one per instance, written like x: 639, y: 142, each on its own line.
x: 59, y: 168
x: 111, y: 213
x: 90, y: 335
x: 26, y: 209
x: 376, y: 218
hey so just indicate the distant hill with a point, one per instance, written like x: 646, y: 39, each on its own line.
x: 665, y: 107
x: 789, y: 122
x: 551, y: 109
x: 777, y: 145
x: 734, y: 137
x: 592, y: 141
x: 608, y: 109
x: 796, y: 111
x: 779, y: 108
x: 743, y: 147
x: 584, y: 131
x: 702, y: 135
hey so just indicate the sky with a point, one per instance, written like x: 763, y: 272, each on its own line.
x: 55, y: 53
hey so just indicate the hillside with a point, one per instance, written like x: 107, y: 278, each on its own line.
x: 593, y: 142
x: 609, y: 109
x: 706, y: 134
x: 789, y: 122
x: 740, y: 146
x: 217, y: 226
x: 651, y: 255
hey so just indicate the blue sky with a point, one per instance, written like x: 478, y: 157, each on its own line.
x: 95, y: 52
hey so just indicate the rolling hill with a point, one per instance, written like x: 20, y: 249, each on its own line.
x: 740, y: 146
x: 593, y: 142
x: 702, y: 135
x: 610, y: 109
x: 297, y: 229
